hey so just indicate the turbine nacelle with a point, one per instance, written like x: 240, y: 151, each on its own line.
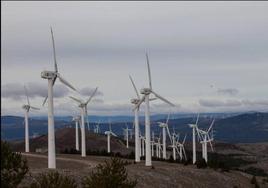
x: 134, y: 101
x: 26, y: 107
x: 48, y: 74
x: 162, y: 125
x: 145, y: 91
x: 192, y: 125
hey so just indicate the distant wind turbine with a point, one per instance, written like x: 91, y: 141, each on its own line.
x: 27, y: 108
x: 83, y: 106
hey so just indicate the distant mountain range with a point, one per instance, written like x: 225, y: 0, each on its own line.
x: 234, y: 128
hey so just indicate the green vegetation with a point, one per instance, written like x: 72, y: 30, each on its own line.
x: 112, y: 174
x: 53, y: 179
x: 13, y: 167
x: 201, y: 163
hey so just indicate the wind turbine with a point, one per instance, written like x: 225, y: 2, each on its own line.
x: 52, y: 76
x: 164, y: 127
x: 83, y: 106
x: 180, y: 145
x: 27, y: 108
x: 97, y: 128
x: 126, y: 131
x: 136, y: 122
x: 195, y: 128
x: 206, y: 139
x: 109, y: 133
x: 142, y: 141
x: 158, y: 146
x: 76, y: 119
x: 146, y: 92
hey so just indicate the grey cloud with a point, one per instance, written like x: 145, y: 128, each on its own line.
x: 218, y: 103
x: 16, y: 91
x: 255, y: 102
x: 227, y: 91
x: 87, y: 91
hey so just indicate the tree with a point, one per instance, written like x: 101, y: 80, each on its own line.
x: 201, y: 163
x: 111, y: 174
x: 13, y: 166
x: 53, y: 179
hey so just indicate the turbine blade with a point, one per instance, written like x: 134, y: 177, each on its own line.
x: 162, y: 98
x: 44, y: 102
x: 211, y: 146
x: 26, y: 92
x: 86, y: 117
x: 184, y: 139
x: 169, y: 135
x: 32, y: 107
x: 211, y: 125
x: 197, y: 119
x: 65, y: 82
x: 149, y: 71
x: 167, y: 119
x: 54, y: 51
x: 94, y: 92
x: 152, y: 99
x: 54, y: 80
x: 77, y: 100
x: 134, y: 87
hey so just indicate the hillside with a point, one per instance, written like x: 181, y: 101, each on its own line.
x: 65, y: 139
x: 164, y: 175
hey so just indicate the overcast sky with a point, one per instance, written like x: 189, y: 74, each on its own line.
x: 204, y: 56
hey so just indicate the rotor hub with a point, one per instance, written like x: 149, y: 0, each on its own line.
x: 48, y: 74
x: 134, y: 101
x: 26, y: 107
x: 146, y: 91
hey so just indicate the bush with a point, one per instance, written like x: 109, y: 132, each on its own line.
x: 256, y: 171
x: 201, y: 163
x: 111, y: 174
x: 53, y: 179
x: 13, y: 167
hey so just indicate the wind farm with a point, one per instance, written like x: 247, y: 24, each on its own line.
x: 144, y: 105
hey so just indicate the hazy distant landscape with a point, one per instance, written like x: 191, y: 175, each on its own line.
x: 233, y: 128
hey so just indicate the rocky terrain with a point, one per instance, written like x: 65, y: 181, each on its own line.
x: 163, y: 175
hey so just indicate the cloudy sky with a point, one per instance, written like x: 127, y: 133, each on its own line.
x: 204, y: 56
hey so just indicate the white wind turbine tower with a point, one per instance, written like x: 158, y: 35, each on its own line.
x: 27, y: 108
x: 83, y: 106
x: 76, y: 119
x: 164, y: 127
x: 126, y: 133
x: 146, y: 92
x: 109, y: 133
x: 136, y: 123
x: 173, y: 145
x: 206, y: 139
x: 195, y: 128
x: 52, y: 76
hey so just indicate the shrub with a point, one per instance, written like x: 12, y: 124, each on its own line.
x: 256, y: 171
x: 111, y: 174
x: 201, y: 163
x: 13, y: 167
x: 53, y: 179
